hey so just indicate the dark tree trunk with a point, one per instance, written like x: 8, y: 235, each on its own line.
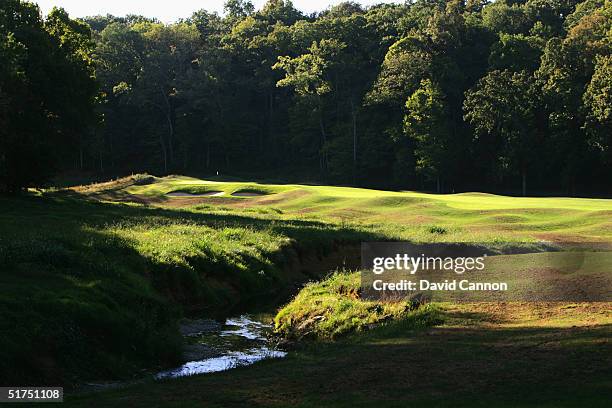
x: 354, y: 117
x: 170, y: 138
x: 168, y: 113
x: 111, y: 151
x: 81, y: 152
x: 162, y: 143
x: 322, y: 153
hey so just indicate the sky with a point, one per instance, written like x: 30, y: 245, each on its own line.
x: 169, y: 10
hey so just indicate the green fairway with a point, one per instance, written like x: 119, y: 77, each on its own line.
x: 404, y: 215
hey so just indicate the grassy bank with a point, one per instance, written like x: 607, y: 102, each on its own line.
x: 333, y: 307
x: 92, y: 290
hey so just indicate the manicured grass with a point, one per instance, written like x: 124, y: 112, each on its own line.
x: 196, y: 186
x: 406, y: 215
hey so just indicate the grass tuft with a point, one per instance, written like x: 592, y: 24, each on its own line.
x: 333, y: 307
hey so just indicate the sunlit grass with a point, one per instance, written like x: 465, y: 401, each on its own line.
x: 333, y: 307
x: 408, y: 215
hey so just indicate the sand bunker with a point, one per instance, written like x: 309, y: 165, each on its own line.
x: 184, y: 194
x: 247, y: 194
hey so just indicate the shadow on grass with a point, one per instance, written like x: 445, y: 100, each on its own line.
x: 79, y: 302
x: 294, y: 229
x: 446, y: 367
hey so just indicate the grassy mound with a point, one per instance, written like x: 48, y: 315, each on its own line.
x: 195, y: 186
x: 333, y: 307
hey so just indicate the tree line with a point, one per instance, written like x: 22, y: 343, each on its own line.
x: 508, y: 96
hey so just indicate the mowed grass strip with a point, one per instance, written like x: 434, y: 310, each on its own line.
x: 404, y: 215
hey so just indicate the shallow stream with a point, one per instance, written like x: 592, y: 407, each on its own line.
x: 213, y: 346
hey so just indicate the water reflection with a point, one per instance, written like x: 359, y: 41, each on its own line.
x: 238, y: 342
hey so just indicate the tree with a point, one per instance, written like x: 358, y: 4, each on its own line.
x: 352, y: 71
x: 11, y: 79
x: 238, y: 9
x: 168, y: 53
x: 47, y: 92
x: 374, y: 96
x: 565, y: 71
x: 305, y: 74
x: 516, y: 52
x: 344, y: 9
x: 507, y: 17
x: 503, y: 106
x: 425, y: 122
x: 598, y: 102
x: 75, y: 46
x: 281, y: 11
x: 119, y: 62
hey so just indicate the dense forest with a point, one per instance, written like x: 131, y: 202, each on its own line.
x: 508, y: 96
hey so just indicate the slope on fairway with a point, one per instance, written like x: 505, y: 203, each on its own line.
x: 405, y: 215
